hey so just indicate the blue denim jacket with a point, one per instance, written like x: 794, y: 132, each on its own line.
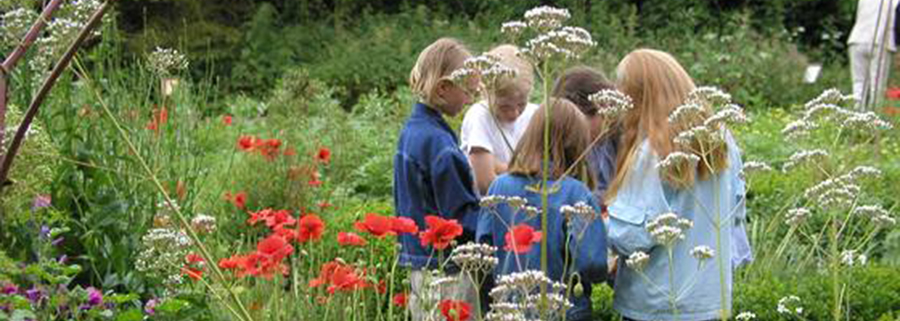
x: 587, y: 239
x: 645, y: 195
x: 431, y: 177
x: 602, y: 159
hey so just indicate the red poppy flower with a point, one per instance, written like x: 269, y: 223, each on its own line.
x: 404, y: 225
x: 893, y: 93
x: 455, y: 310
x: 290, y: 151
x: 242, y: 264
x: 377, y: 225
x: 324, y: 155
x: 382, y: 287
x: 310, y: 228
x: 193, y: 266
x: 226, y: 119
x: 324, y: 205
x: 272, y: 218
x: 240, y: 200
x: 350, y: 239
x: 338, y: 277
x: 440, y: 232
x: 246, y: 143
x: 520, y: 238
x: 270, y: 252
x: 400, y: 299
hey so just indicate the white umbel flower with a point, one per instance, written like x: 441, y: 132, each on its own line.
x: 790, y: 305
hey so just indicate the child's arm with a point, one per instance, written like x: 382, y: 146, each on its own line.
x: 589, y: 237
x: 453, y: 188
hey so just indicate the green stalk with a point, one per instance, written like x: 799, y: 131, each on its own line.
x: 723, y: 290
x: 545, y: 168
x: 835, y: 273
x: 672, y: 293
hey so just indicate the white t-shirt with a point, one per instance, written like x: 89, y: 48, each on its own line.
x: 479, y: 129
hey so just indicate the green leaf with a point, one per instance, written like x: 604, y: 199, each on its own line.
x: 131, y: 315
x: 22, y: 315
x: 122, y: 298
x: 172, y: 306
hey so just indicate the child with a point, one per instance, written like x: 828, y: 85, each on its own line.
x: 431, y: 174
x: 577, y: 84
x: 640, y: 192
x: 569, y: 237
x: 489, y: 133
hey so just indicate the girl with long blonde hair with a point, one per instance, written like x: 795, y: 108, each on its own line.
x: 670, y: 285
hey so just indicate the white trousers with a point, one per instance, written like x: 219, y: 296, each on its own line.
x: 869, y: 70
x: 426, y: 294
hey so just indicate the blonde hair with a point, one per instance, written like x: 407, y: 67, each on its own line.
x: 524, y: 79
x: 657, y: 84
x: 569, y: 138
x: 435, y: 63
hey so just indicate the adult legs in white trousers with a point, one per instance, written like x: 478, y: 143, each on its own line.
x: 869, y: 70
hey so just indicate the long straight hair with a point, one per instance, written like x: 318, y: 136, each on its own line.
x: 657, y: 84
x: 569, y: 138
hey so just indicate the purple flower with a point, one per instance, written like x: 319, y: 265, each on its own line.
x: 57, y: 241
x: 150, y: 307
x: 95, y: 297
x: 34, y: 295
x: 63, y: 259
x: 45, y: 232
x: 10, y: 289
x: 40, y: 201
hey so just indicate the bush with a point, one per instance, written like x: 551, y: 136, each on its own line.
x: 874, y: 291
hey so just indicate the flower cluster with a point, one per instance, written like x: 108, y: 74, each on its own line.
x: 475, y: 257
x: 15, y: 23
x: 790, y: 305
x: 676, y: 160
x: 166, y: 61
x: 797, y: 215
x: 265, y: 261
x: 203, y: 224
x: 637, y: 260
x: 745, y: 316
x: 878, y: 215
x: 517, y: 297
x: 805, y: 157
x: 698, y: 130
x: 703, y: 252
x: 553, y: 41
x: 580, y: 210
x: 828, y: 108
x: 485, y: 69
x: 611, y: 103
x: 840, y: 191
x: 164, y: 250
x: 667, y: 228
x: 851, y: 258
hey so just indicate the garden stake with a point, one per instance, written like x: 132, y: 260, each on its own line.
x: 60, y: 66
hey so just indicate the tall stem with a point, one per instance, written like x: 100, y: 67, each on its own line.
x: 673, y: 293
x: 835, y: 273
x: 545, y: 168
x: 724, y: 312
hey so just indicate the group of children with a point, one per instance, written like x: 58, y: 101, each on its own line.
x: 500, y: 152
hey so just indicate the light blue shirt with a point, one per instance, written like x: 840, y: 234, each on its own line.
x: 643, y: 196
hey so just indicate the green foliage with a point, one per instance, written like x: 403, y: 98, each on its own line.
x: 263, y: 55
x: 874, y: 292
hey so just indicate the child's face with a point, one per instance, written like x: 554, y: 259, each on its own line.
x: 455, y: 98
x: 509, y: 107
